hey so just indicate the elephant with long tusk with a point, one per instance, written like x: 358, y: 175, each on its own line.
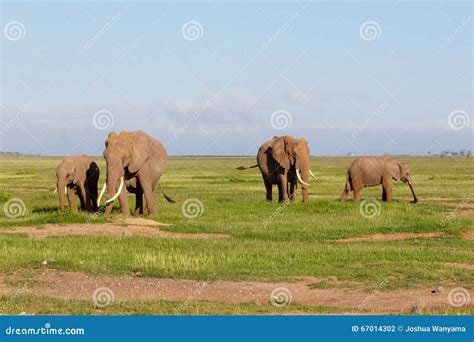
x: 373, y: 171
x: 135, y: 163
x: 284, y: 161
x: 110, y: 200
x: 77, y: 176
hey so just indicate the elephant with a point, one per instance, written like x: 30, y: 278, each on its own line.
x: 284, y: 161
x: 78, y: 176
x: 373, y: 171
x: 138, y: 161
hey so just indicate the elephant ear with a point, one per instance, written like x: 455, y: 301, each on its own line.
x: 279, y: 152
x: 395, y: 169
x: 139, y: 154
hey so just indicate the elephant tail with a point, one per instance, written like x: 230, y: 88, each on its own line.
x: 169, y: 199
x: 246, y: 167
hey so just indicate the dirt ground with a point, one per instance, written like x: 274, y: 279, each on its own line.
x: 468, y: 235
x: 390, y: 237
x: 81, y: 286
x: 128, y: 227
x: 342, y: 295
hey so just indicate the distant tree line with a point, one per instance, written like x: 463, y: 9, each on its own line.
x: 461, y: 153
x: 17, y: 154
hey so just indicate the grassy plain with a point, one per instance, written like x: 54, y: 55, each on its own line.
x: 268, y: 241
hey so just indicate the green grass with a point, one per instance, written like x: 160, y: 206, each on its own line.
x: 268, y: 241
x: 49, y: 306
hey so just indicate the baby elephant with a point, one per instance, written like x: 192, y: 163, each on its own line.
x: 373, y: 171
x: 78, y: 176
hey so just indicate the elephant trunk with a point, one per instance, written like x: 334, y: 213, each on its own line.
x: 415, y: 198
x: 61, y: 188
x: 303, y: 177
x: 302, y: 172
x: 112, y: 178
x: 304, y: 187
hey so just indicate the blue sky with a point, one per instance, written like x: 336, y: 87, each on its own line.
x: 341, y: 89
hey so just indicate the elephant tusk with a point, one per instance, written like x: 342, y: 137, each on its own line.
x: 101, y: 194
x: 312, y: 174
x: 56, y: 189
x: 118, y: 192
x: 299, y: 177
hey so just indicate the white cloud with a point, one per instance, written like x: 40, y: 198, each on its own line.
x: 229, y: 124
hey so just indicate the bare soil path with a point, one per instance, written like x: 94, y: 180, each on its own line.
x: 81, y: 286
x: 391, y: 237
x: 127, y: 227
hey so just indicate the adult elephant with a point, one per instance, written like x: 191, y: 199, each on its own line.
x: 78, y: 176
x: 284, y: 161
x: 373, y: 171
x: 137, y: 161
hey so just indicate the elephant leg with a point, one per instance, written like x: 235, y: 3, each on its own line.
x: 280, y: 194
x: 387, y: 188
x: 123, y: 202
x: 292, y: 193
x: 283, y: 182
x: 92, y: 194
x: 84, y: 197
x: 61, y: 193
x: 268, y: 188
x: 71, y: 198
x: 357, y: 187
x: 149, y: 196
x: 139, y: 202
x: 384, y: 194
x: 357, y: 194
x: 108, y: 209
